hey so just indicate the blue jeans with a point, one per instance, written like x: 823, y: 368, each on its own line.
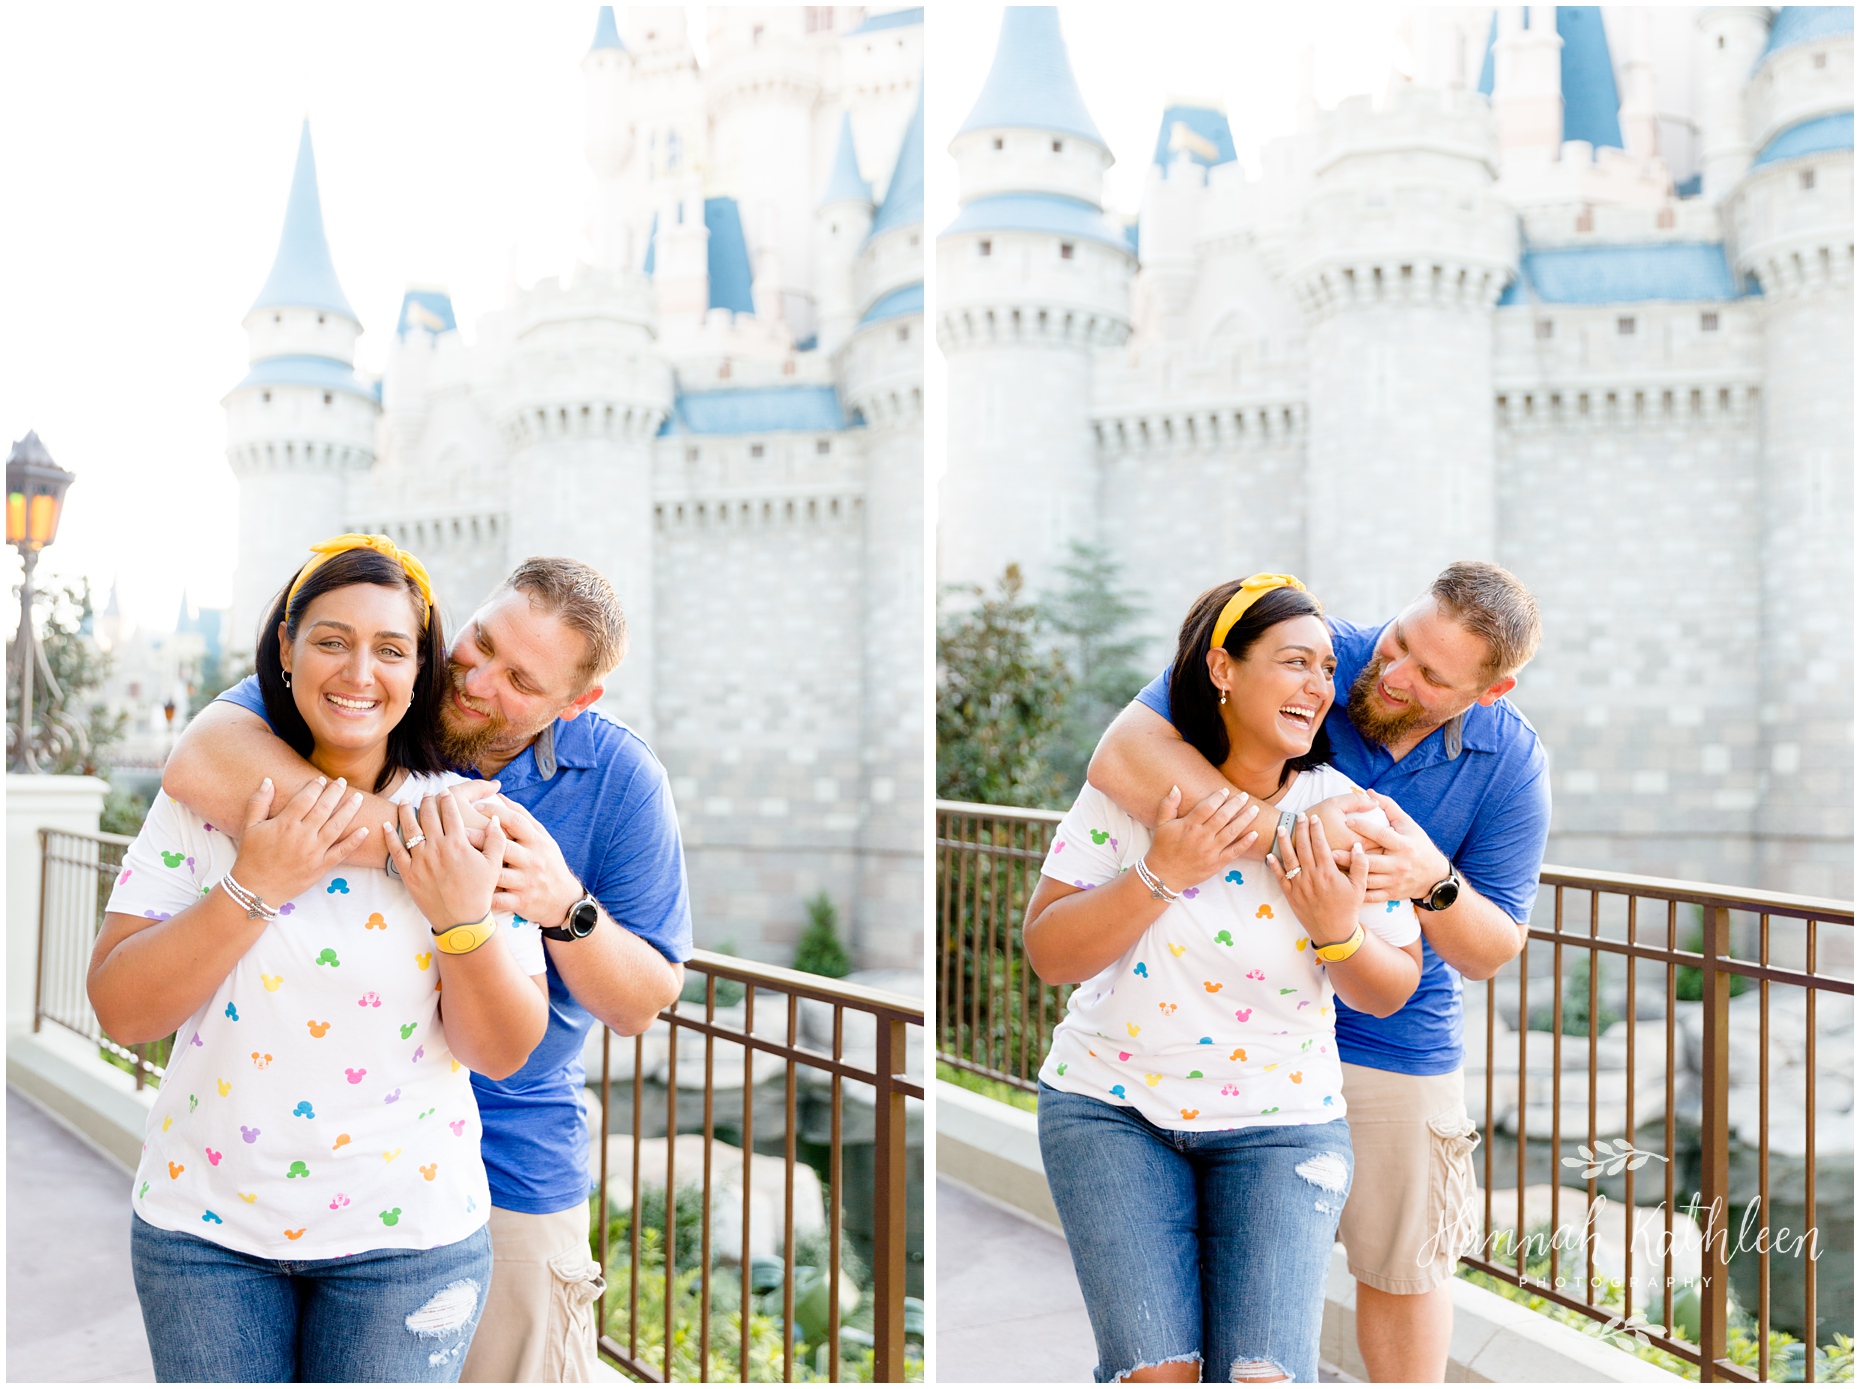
x: 388, y: 1315
x: 1210, y: 1247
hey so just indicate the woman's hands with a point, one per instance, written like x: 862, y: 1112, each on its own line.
x: 284, y: 854
x: 1326, y: 900
x: 1194, y: 847
x: 451, y: 882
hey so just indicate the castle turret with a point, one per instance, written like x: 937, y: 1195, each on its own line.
x: 606, y: 70
x: 1032, y: 277
x: 1790, y: 219
x: 841, y: 224
x: 1397, y: 262
x: 882, y: 371
x: 1730, y: 37
x: 1193, y: 139
x: 301, y: 421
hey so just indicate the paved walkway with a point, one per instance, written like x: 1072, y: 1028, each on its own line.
x: 1008, y: 1307
x: 71, y: 1311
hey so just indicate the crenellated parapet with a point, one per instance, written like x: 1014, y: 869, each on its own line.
x: 1401, y: 210
x: 1791, y: 224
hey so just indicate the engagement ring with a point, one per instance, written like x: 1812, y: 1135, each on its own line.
x: 416, y: 841
x: 1294, y: 873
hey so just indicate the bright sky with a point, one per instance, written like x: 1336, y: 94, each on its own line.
x: 1130, y: 60
x: 146, y: 155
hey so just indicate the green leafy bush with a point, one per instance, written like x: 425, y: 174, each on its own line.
x: 820, y: 951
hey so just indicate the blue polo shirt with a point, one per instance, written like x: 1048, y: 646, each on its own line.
x: 1480, y: 786
x: 596, y: 787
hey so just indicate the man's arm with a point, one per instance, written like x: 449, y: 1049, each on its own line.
x: 1474, y: 935
x: 619, y: 977
x: 1141, y: 756
x: 225, y: 751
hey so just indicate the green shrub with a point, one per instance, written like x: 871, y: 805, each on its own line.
x: 820, y: 951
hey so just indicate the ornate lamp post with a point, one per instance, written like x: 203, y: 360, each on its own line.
x: 35, y: 498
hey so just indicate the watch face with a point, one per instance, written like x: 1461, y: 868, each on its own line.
x: 1445, y: 895
x: 581, y: 919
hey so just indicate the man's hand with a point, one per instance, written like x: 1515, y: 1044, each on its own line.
x: 536, y: 882
x: 1408, y: 865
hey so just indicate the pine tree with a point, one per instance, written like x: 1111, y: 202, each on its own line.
x: 1000, y: 699
x: 1092, y: 615
x: 819, y: 950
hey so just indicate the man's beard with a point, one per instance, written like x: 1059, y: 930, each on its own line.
x: 465, y: 744
x: 1370, y: 721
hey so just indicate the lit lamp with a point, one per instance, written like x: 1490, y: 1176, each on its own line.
x: 35, y: 499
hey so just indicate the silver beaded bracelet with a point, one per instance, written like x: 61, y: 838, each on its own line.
x: 255, y: 906
x: 1158, y: 889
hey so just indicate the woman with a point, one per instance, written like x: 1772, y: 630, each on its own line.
x: 311, y: 1203
x: 1191, y: 1107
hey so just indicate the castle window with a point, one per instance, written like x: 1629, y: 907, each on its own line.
x: 1708, y: 323
x: 319, y: 319
x: 998, y: 142
x: 328, y: 399
x: 1058, y: 145
x: 1721, y: 40
x: 723, y: 372
x: 1821, y: 60
x: 787, y: 367
x: 1065, y: 250
x: 986, y: 247
x: 904, y: 333
x: 1546, y: 328
x: 277, y: 318
x: 755, y: 450
x: 1808, y: 179
x: 265, y: 397
x: 691, y: 454
x: 823, y: 446
x: 819, y: 18
x: 755, y: 35
x: 1624, y: 327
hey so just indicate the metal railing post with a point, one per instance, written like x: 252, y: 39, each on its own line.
x: 38, y: 968
x: 1714, y: 1140
x: 890, y: 1215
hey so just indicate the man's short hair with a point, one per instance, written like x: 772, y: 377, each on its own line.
x: 582, y: 598
x: 1490, y: 603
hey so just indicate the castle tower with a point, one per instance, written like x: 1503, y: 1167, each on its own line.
x: 763, y: 85
x: 1730, y: 39
x: 1194, y: 138
x: 1790, y: 220
x: 301, y: 421
x: 1399, y: 258
x: 841, y: 224
x: 1032, y: 277
x: 606, y: 70
x: 882, y: 371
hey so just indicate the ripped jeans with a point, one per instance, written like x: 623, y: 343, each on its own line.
x: 389, y: 1315
x: 1207, y: 1247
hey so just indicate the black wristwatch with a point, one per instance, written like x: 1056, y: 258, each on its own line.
x: 1446, y: 892
x: 581, y: 920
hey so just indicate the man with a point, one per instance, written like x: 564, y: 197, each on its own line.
x: 1426, y: 729
x: 593, y: 844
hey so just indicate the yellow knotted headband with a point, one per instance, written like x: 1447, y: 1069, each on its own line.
x: 1251, y: 590
x: 342, y: 544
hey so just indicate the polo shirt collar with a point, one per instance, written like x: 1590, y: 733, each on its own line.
x: 561, y: 744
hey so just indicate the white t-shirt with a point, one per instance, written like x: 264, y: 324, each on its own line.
x: 312, y: 1108
x: 1219, y: 1017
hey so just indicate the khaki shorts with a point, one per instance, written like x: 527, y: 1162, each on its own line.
x: 1412, y: 1207
x: 538, y: 1322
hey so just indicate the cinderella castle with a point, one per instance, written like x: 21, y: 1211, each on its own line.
x: 1576, y: 295
x: 721, y: 409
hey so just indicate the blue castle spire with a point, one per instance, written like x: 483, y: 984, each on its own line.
x: 904, y: 197
x: 1031, y: 83
x: 846, y: 185
x: 1591, y: 104
x: 606, y: 32
x: 302, y: 276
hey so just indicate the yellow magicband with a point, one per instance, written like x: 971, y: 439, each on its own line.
x: 1343, y: 949
x: 463, y: 939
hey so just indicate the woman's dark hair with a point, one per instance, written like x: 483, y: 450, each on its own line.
x: 413, y: 744
x: 1194, y: 703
